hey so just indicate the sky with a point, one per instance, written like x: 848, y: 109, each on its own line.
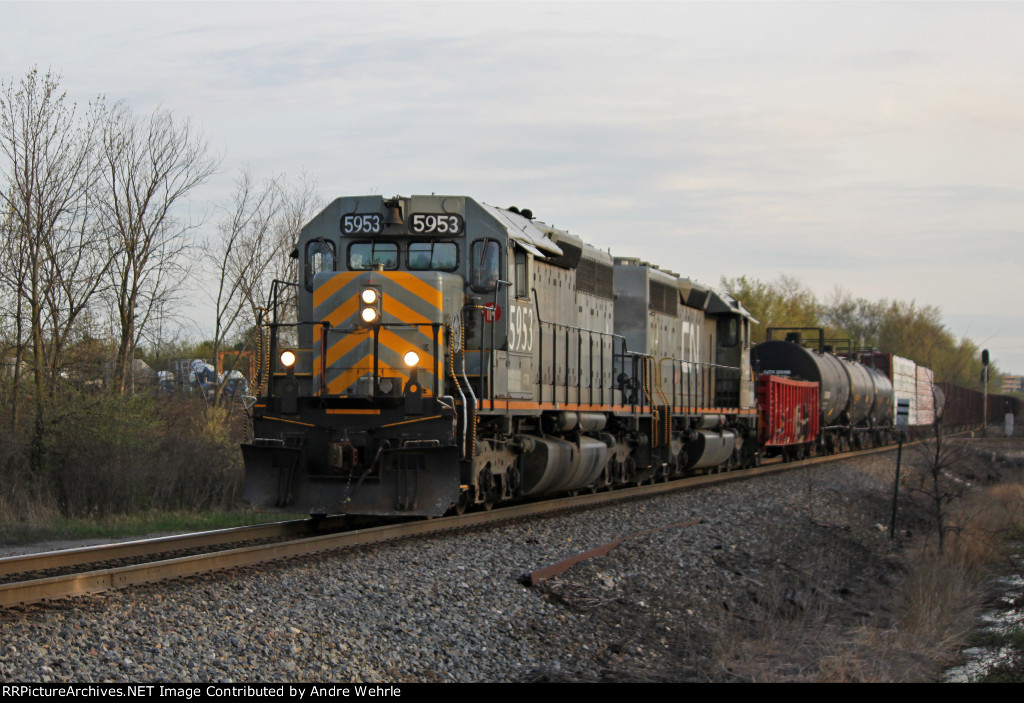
x: 873, y: 147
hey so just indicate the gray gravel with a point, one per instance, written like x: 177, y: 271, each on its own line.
x: 449, y: 607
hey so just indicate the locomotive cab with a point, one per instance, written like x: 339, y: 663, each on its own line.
x: 364, y: 411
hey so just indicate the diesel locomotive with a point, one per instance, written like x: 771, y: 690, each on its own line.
x: 445, y: 353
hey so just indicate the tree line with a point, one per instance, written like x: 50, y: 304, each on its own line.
x: 100, y: 241
x: 903, y: 328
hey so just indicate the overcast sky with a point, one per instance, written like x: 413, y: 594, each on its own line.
x: 874, y: 146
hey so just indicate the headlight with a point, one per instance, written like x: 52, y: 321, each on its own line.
x: 287, y: 359
x: 411, y: 359
x: 369, y: 306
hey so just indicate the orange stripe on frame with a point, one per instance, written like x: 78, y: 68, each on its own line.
x: 400, y: 346
x: 346, y: 344
x: 528, y: 405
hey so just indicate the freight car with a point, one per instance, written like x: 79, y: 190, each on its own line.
x: 914, y: 388
x: 788, y: 417
x: 864, y: 397
x: 855, y: 406
x: 965, y: 407
x: 449, y: 354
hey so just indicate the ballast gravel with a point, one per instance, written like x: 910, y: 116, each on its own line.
x: 449, y: 607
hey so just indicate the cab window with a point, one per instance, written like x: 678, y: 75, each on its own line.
x: 728, y: 331
x: 485, y: 265
x: 522, y: 282
x: 319, y: 258
x: 433, y: 256
x: 365, y: 256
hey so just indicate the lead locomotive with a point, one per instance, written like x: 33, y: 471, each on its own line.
x: 446, y: 353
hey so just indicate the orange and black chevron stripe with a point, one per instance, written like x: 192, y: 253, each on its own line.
x: 409, y: 298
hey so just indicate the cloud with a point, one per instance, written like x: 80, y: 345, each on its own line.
x: 879, y: 145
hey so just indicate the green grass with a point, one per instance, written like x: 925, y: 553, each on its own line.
x: 136, y: 525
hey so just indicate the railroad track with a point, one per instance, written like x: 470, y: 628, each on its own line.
x: 285, y: 540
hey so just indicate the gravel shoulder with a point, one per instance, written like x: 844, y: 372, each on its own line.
x: 780, y: 580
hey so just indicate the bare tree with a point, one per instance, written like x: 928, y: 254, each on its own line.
x: 150, y: 165
x: 241, y: 253
x: 79, y: 258
x: 47, y: 167
x: 936, y: 483
x: 252, y: 250
x: 12, y: 269
x: 301, y: 202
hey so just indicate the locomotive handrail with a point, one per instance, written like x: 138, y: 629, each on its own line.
x: 568, y: 329
x: 274, y: 326
x: 272, y: 298
x: 271, y: 310
x: 636, y: 373
x: 469, y: 387
x: 490, y: 356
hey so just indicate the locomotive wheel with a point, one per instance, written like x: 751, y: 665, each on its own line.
x: 462, y: 503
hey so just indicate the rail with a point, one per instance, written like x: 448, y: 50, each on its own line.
x: 96, y: 581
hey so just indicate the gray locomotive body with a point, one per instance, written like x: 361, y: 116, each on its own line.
x: 445, y: 353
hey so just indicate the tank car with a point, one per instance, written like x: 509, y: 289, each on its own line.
x: 855, y: 401
x: 446, y: 353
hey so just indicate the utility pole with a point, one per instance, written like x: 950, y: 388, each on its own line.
x: 984, y: 381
